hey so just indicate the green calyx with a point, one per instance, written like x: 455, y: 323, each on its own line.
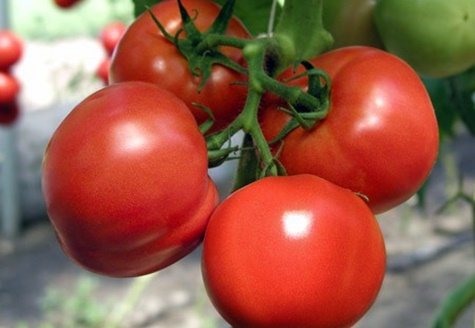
x: 265, y: 57
x: 201, y: 49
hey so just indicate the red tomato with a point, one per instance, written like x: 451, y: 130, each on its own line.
x: 102, y: 71
x: 66, y: 3
x: 111, y: 35
x: 9, y: 88
x: 295, y: 251
x: 9, y: 113
x: 380, y: 137
x: 125, y: 181
x: 11, y: 48
x: 144, y: 54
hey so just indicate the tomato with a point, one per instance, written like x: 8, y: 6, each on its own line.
x: 102, y: 71
x: 11, y: 48
x: 110, y: 36
x: 380, y: 137
x: 125, y: 181
x: 66, y: 3
x: 9, y: 112
x: 351, y: 22
x: 144, y: 54
x: 9, y: 88
x: 295, y: 251
x: 434, y: 36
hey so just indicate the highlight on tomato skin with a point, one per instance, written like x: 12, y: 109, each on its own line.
x: 122, y: 192
x: 293, y: 251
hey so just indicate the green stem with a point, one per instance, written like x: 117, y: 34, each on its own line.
x: 251, y: 126
x: 135, y: 291
x: 248, y: 164
x: 458, y: 300
x: 212, y: 40
x: 300, y: 32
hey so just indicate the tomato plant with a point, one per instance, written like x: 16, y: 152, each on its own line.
x: 380, y: 137
x: 434, y: 36
x: 288, y: 252
x: 122, y: 191
x: 145, y: 54
x: 9, y: 88
x: 11, y: 48
x: 351, y: 22
x: 110, y: 36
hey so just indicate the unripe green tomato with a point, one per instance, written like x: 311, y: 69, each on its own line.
x: 436, y: 37
x: 351, y: 22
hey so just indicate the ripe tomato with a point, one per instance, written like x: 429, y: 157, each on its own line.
x: 144, y: 54
x: 11, y: 48
x: 436, y: 37
x: 125, y: 181
x: 351, y: 22
x: 102, y: 71
x: 66, y: 3
x: 9, y: 112
x: 295, y: 251
x: 110, y: 36
x: 380, y: 137
x: 9, y: 88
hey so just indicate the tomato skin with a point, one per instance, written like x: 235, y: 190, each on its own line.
x: 434, y: 36
x: 351, y: 22
x: 122, y: 191
x: 9, y: 88
x: 110, y: 36
x: 294, y: 251
x: 11, y: 49
x: 144, y: 54
x: 380, y: 137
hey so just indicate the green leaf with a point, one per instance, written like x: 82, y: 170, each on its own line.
x: 459, y: 299
x: 462, y: 88
x: 441, y: 97
x: 254, y: 14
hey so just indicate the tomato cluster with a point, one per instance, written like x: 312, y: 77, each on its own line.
x: 11, y: 48
x: 109, y: 38
x: 127, y: 189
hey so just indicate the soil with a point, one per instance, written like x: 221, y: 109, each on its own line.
x: 429, y: 253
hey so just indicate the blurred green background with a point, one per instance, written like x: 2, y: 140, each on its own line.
x: 43, y: 20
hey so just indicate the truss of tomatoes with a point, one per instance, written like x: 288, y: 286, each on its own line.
x: 128, y: 193
x: 11, y: 49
